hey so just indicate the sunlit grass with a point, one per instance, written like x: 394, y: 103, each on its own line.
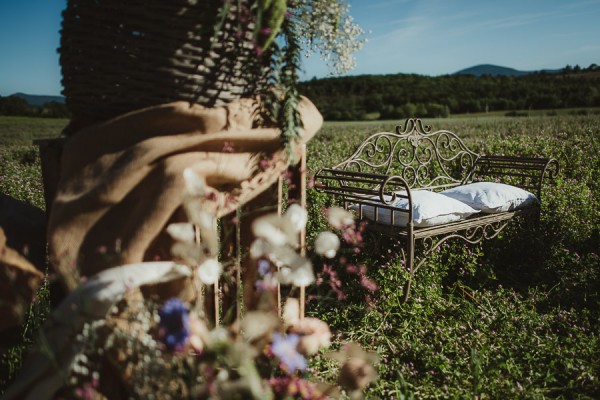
x: 516, y: 317
x: 23, y: 130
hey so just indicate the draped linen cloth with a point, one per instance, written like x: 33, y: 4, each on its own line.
x: 121, y: 181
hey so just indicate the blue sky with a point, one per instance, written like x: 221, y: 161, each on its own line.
x: 429, y: 37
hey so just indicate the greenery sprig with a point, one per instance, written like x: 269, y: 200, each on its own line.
x: 283, y: 31
x: 282, y: 100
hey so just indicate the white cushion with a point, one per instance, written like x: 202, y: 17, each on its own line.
x: 491, y: 197
x: 429, y: 209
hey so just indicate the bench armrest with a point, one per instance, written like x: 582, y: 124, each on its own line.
x: 363, y: 189
x: 354, y: 186
x: 525, y: 172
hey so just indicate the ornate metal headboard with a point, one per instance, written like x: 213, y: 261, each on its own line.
x: 424, y: 159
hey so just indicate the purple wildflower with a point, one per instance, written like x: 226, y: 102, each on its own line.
x: 368, y: 284
x: 174, y: 325
x: 284, y: 347
x: 264, y: 267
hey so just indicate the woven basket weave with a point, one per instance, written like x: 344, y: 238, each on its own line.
x: 122, y: 55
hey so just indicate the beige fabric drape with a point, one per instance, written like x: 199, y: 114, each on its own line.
x: 122, y: 181
x: 19, y: 281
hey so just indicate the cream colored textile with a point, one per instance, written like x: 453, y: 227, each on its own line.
x: 122, y: 181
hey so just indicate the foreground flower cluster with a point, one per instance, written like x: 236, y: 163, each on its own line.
x: 326, y: 26
x: 168, y: 349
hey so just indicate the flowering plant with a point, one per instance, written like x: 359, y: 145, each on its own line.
x: 166, y: 349
x: 327, y: 27
x: 114, y: 342
x: 305, y: 26
x: 283, y: 31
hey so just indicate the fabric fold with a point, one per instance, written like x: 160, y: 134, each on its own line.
x: 122, y: 182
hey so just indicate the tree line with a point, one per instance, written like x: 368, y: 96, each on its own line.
x: 17, y: 106
x: 411, y: 95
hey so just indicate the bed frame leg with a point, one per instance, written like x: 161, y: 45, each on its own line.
x: 410, y: 262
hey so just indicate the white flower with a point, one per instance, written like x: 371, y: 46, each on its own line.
x: 209, y: 237
x: 314, y: 335
x: 291, y: 311
x: 258, y: 324
x: 259, y: 248
x: 327, y: 244
x: 207, y: 226
x: 284, y: 256
x: 209, y: 271
x: 198, y: 333
x: 276, y: 230
x: 326, y: 26
x: 205, y: 220
x: 182, y: 232
x: 298, y: 216
x: 188, y: 253
x: 298, y: 273
x: 279, y: 255
x: 339, y: 218
x: 197, y: 215
x: 195, y: 185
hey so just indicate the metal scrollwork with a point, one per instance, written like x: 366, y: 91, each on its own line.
x: 422, y: 174
x: 467, y: 160
x: 473, y: 235
x: 390, y: 165
x: 353, y: 165
x: 426, y: 158
x: 410, y: 175
x: 425, y: 154
x: 413, y: 125
x: 375, y: 153
x: 405, y: 156
x: 388, y: 190
x: 552, y: 169
x: 414, y: 138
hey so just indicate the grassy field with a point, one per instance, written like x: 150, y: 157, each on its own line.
x: 23, y: 130
x: 516, y: 317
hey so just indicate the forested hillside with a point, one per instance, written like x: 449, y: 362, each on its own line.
x: 409, y: 95
x: 18, y: 105
x: 403, y: 95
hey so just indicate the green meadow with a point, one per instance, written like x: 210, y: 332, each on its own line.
x: 514, y: 317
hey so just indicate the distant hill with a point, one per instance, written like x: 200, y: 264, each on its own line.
x: 39, y: 100
x: 496, y: 70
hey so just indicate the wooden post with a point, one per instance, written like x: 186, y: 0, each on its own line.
x: 279, y: 212
x: 302, y: 183
x: 298, y: 193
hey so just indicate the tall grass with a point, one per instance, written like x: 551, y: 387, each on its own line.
x: 23, y: 130
x: 515, y: 317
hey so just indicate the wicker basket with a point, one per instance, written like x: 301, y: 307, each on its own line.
x: 118, y: 56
